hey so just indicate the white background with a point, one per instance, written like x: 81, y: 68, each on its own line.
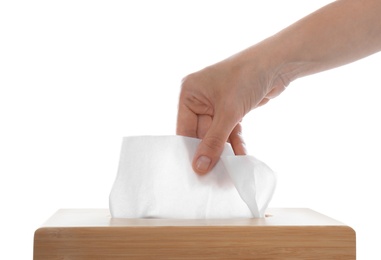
x: 77, y: 76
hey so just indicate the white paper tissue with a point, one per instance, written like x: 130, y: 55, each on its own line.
x: 155, y: 180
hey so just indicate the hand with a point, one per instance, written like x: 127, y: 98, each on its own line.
x: 213, y: 102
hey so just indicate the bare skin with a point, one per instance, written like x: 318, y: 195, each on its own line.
x: 214, y: 100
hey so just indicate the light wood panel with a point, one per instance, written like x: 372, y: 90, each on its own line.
x: 285, y: 234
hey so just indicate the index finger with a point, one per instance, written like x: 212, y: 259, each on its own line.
x: 186, y: 121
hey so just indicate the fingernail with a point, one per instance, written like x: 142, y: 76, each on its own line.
x: 203, y: 163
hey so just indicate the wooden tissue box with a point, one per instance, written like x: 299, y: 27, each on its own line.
x: 285, y: 233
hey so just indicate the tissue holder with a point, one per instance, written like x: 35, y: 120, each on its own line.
x: 285, y: 233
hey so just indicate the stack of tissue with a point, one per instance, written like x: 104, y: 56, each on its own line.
x: 155, y: 179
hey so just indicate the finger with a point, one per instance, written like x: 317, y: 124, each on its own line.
x: 237, y: 142
x: 209, y: 150
x: 203, y: 125
x: 186, y: 122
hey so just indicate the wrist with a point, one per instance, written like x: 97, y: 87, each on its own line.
x: 271, y: 64
x: 284, y: 60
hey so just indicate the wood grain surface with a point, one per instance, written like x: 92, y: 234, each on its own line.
x: 284, y: 234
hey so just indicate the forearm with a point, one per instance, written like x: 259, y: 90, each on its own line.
x: 337, y: 34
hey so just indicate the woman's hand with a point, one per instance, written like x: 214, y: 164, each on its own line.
x: 214, y: 100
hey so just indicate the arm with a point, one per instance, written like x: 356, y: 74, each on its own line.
x: 214, y: 100
x: 337, y: 34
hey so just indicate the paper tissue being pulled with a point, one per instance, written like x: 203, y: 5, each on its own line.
x: 155, y: 180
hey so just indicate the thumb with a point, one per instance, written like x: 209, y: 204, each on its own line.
x: 209, y: 150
